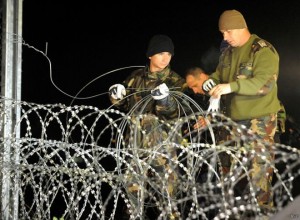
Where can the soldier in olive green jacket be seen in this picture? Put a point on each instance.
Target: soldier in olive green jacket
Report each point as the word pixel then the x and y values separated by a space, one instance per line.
pixel 246 78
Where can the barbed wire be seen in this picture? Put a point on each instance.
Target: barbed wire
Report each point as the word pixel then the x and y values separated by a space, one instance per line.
pixel 81 168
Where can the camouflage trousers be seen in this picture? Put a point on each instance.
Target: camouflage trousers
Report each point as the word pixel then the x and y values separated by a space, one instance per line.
pixel 262 161
pixel 152 173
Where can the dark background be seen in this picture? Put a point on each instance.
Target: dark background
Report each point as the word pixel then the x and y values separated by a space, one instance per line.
pixel 85 39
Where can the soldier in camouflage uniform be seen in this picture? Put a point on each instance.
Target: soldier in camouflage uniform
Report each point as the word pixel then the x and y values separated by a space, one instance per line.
pixel 195 77
pixel 147 95
pixel 246 78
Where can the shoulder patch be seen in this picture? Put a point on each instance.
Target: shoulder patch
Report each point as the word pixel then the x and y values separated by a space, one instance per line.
pixel 262 43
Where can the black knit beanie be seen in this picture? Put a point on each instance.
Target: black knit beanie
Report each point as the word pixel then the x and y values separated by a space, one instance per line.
pixel 158 44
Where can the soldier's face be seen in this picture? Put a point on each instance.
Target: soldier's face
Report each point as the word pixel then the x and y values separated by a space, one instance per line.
pixel 196 83
pixel 160 60
pixel 233 37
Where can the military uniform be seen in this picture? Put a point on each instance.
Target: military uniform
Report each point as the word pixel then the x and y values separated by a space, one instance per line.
pixel 281 119
pixel 252 72
pixel 146 133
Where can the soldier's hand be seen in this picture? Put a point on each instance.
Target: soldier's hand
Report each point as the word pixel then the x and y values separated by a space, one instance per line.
pixel 214 104
pixel 201 123
pixel 160 92
pixel 208 85
pixel 117 91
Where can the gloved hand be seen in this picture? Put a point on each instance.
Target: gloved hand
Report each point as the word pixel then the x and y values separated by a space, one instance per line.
pixel 208 85
pixel 160 92
pixel 214 104
pixel 117 91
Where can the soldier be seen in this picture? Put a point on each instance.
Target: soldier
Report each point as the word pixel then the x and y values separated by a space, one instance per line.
pixel 195 77
pixel 246 78
pixel 146 109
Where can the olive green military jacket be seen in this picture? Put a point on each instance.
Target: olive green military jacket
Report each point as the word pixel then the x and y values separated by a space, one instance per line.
pixel 252 72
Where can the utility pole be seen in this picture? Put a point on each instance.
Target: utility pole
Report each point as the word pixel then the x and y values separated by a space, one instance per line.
pixel 11 60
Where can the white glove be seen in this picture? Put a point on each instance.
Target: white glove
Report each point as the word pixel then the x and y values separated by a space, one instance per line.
pixel 117 91
pixel 160 92
pixel 208 85
pixel 214 105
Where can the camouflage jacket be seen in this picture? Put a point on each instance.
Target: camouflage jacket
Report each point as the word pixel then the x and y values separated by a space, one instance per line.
pixel 138 98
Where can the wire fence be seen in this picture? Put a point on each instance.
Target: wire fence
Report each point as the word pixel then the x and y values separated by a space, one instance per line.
pixel 78 162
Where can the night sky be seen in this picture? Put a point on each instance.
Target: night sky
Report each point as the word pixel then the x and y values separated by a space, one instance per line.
pixel 86 39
